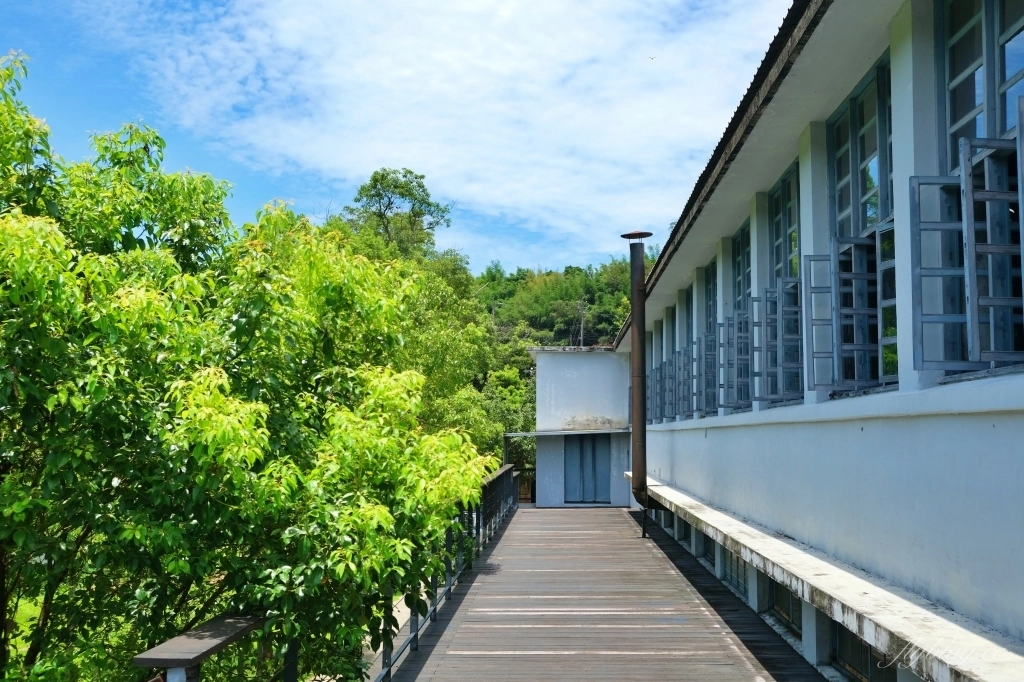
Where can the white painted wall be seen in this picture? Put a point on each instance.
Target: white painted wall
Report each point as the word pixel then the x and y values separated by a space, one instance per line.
pixel 922 488
pixel 582 390
pixel 551 471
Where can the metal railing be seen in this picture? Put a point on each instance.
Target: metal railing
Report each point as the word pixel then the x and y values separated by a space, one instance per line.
pixel 182 657
pixel 500 495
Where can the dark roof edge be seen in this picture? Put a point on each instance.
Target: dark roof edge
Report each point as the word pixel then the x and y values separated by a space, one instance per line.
pixel 798 25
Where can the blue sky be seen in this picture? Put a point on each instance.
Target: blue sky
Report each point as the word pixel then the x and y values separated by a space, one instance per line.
pixel 552 126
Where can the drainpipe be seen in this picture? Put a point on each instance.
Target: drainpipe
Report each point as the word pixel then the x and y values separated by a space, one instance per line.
pixel 638 362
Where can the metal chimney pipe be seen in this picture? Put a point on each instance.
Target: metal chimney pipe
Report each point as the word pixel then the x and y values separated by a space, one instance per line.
pixel 638 363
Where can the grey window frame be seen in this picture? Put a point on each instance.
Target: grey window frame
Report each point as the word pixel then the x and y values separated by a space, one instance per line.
pixel 776 325
pixel 780 230
pixel 735 571
pixel 735 334
pixel 861 266
pixel 710 356
pixel 998 89
pixel 875 666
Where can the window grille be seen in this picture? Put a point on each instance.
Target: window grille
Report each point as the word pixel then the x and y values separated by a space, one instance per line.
pixel 709 361
pixel 858 660
pixel 735 572
pixel 709 550
pixel 966 260
pixel 650 396
pixel 671 384
pixel 787 606
pixel 784 218
pixel 709 373
pixel 780 357
pixel 737 354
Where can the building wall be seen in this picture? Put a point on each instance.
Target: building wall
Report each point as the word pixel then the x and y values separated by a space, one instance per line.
pixel 922 489
pixel 551 471
pixel 567 402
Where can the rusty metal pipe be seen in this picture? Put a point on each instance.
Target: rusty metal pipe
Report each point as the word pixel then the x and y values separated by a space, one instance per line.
pixel 638 363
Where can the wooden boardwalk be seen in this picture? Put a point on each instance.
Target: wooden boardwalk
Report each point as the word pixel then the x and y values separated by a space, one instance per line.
pixel 575 594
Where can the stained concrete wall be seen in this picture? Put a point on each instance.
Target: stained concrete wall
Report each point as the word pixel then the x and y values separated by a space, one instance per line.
pixel 582 390
pixel 551 471
pixel 922 488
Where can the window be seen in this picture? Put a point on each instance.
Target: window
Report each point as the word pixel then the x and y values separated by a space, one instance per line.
pixel 863 265
pixel 741 267
pixel 983 43
pixel 735 572
pixel 686 531
pixel 787 606
pixel 738 357
pixel 685 363
pixel 710 359
pixel 711 297
pixel 784 216
pixel 779 342
pixel 709 550
pixel 858 660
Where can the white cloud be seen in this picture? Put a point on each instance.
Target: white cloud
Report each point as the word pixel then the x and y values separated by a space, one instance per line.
pixel 550 116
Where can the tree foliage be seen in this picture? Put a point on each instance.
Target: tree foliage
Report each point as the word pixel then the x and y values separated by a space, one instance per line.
pixel 197 419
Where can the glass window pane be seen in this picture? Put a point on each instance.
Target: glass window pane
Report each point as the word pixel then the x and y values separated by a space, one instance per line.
pixel 869 143
pixel 843 197
pixel 842 132
pixel 869 211
pixel 960 12
pixel 889 322
pixel 888 239
pixel 966 96
pixel 867 107
pixel 1012 11
pixel 869 177
pixel 843 165
pixel 965 51
pixel 974 127
pixel 1013 55
pixel 1010 99
pixel 889 283
pixel 890 361
pixel 845 226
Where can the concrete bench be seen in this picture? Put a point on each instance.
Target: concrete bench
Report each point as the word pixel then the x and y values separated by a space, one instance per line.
pixel 933 642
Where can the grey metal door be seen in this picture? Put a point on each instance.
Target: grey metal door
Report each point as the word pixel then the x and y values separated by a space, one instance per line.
pixel 588 468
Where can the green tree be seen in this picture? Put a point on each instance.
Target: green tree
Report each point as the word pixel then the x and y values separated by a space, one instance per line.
pixel 197 419
pixel 397 205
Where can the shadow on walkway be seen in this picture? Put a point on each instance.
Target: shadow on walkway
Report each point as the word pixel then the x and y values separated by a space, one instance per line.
pixel 763 643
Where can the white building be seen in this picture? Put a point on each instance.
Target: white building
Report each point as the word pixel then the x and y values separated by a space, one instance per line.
pixel 836 416
pixel 582 427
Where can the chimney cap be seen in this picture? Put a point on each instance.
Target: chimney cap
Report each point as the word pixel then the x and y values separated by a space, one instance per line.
pixel 639 234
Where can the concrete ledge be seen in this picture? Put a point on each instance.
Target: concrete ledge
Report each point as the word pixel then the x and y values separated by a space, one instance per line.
pixel 930 640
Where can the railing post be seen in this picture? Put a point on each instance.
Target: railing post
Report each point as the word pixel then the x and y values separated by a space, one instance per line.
pixel 414 627
pixel 448 563
pixel 385 654
pixel 190 674
pixel 433 600
pixel 460 541
pixel 291 662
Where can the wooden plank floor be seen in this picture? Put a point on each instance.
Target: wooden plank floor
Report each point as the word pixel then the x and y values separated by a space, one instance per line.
pixel 575 594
